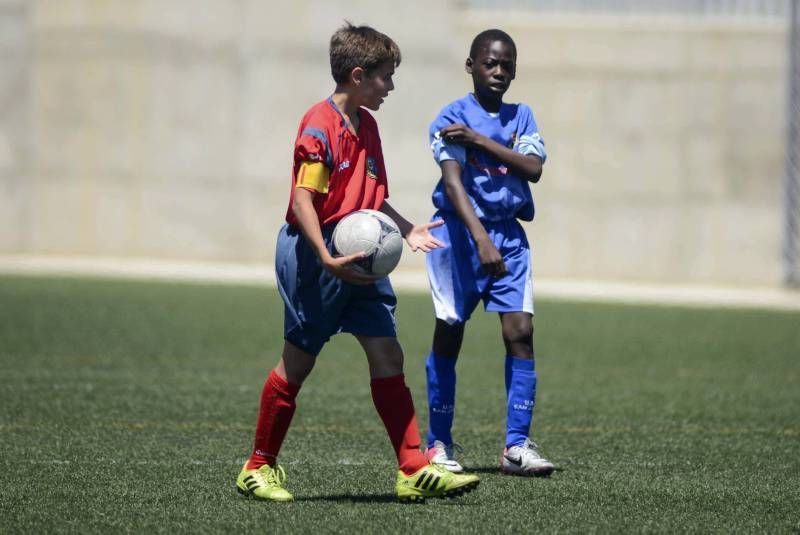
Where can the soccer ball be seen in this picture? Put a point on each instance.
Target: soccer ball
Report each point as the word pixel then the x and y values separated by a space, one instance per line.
pixel 374 233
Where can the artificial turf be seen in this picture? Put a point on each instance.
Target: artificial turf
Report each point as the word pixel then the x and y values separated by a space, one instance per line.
pixel 129 406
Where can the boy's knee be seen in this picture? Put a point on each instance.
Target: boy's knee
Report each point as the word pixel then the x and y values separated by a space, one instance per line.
pixel 295 364
pixel 518 331
pixel 447 339
pixel 384 355
pixel 394 355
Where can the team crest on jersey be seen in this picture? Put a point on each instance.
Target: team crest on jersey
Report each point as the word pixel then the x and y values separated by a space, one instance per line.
pixel 372 168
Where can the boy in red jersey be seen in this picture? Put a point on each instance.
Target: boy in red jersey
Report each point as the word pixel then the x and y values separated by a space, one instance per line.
pixel 338 169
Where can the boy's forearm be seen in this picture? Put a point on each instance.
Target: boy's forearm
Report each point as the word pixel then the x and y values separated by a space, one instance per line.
pixel 451 173
pixel 527 167
pixel 308 221
pixel 403 224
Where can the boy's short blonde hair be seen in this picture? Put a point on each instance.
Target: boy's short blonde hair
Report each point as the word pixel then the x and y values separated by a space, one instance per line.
pixel 360 46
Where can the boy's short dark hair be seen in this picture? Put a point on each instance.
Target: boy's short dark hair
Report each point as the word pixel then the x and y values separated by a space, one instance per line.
pixel 490 36
pixel 360 46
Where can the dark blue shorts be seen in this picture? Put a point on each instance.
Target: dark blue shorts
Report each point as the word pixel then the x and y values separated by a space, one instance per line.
pixel 319 305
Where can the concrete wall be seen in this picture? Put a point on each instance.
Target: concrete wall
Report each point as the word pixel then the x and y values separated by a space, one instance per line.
pixel 667 148
pixel 150 129
pixel 15 146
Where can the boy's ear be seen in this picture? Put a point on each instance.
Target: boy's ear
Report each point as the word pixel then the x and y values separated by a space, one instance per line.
pixel 357 75
pixel 468 65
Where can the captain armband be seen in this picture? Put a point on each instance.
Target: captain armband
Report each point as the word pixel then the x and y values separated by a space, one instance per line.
pixel 314 176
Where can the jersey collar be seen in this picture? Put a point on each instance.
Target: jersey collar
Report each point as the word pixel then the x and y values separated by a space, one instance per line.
pixel 344 123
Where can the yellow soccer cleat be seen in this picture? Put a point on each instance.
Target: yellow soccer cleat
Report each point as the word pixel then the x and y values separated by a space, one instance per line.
pixel 433 481
pixel 265 483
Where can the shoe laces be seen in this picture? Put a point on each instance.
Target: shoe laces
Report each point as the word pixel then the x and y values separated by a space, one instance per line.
pixel 532 448
pixel 440 470
pixel 271 477
pixel 450 450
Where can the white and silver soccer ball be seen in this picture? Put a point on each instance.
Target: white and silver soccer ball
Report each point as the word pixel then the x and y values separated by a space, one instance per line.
pixel 374 233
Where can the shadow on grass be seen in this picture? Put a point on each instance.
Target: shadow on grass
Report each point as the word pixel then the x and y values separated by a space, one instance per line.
pixel 495 470
pixel 370 498
pixel 354 498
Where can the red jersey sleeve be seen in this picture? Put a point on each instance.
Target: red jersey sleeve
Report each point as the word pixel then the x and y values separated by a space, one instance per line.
pixel 313 143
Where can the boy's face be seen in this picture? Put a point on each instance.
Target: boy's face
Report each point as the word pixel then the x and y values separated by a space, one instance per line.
pixel 374 86
pixel 492 69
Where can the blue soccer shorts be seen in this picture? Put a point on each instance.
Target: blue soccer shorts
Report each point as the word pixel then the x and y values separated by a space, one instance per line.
pixel 318 305
pixel 457 280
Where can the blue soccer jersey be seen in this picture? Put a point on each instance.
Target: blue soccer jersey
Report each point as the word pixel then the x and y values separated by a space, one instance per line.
pixel 495 192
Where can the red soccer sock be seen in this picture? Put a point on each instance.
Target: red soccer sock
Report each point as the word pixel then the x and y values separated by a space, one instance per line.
pixel 274 416
pixel 393 401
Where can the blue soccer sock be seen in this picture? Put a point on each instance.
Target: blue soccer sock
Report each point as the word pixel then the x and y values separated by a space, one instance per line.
pixel 441 373
pixel 521 381
pixel 509 360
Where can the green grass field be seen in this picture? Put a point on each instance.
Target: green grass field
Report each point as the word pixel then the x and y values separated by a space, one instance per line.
pixel 129 406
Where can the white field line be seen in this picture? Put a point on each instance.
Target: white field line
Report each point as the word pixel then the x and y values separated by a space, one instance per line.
pixel 264 274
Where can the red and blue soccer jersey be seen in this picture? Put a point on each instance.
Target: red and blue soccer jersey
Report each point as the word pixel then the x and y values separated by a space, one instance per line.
pixel 348 174
pixel 346 170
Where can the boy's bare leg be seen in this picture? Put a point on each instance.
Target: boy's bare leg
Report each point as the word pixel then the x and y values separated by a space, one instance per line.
pixel 384 355
pixel 295 364
pixel 447 339
pixel 393 401
pixel 521 455
pixel 440 371
pixel 416 478
pixel 278 405
pixel 518 334
pixel 261 477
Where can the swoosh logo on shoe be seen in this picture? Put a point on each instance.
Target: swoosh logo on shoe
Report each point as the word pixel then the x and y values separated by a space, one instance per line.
pixel 517 462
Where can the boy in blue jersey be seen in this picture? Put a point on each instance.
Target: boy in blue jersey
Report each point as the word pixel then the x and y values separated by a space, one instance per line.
pixel 488 152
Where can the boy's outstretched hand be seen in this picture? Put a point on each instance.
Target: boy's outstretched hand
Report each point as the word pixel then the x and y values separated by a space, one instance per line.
pixel 419 238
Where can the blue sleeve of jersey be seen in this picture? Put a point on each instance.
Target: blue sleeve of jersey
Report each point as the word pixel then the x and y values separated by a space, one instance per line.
pixel 447 151
pixel 442 150
pixel 530 141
